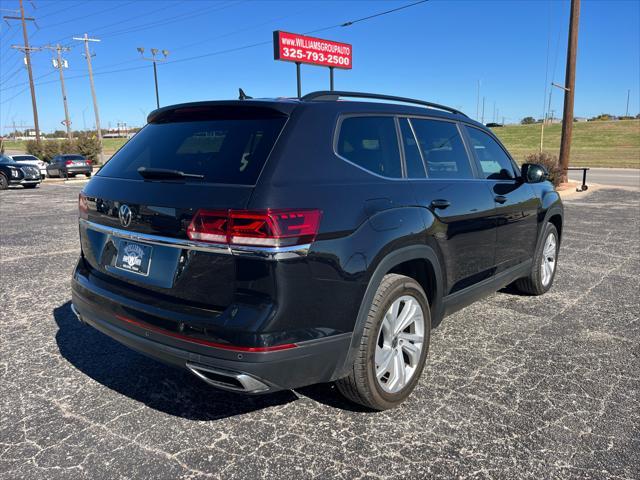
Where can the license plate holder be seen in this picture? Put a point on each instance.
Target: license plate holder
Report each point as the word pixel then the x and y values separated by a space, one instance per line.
pixel 134 257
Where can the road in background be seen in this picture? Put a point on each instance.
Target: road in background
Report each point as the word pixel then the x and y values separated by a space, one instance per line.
pixel 619 177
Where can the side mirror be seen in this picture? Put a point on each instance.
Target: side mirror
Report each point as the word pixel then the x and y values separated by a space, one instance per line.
pixel 534 173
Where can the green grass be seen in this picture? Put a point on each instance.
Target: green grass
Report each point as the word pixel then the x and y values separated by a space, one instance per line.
pixel 110 145
pixel 594 144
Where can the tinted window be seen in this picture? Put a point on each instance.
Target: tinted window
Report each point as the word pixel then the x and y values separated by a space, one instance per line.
pixel 72 157
pixel 412 157
pixel 224 151
pixel 21 158
pixel 442 148
pixel 371 143
pixel 494 162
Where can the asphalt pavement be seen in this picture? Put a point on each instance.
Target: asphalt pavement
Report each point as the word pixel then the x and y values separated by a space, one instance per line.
pixel 515 386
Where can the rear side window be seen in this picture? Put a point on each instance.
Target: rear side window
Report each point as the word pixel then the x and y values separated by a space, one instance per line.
pixel 371 143
pixel 442 148
pixel 224 151
pixel 494 162
pixel 412 156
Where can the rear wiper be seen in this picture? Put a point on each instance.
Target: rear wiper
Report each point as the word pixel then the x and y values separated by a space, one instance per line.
pixel 165 173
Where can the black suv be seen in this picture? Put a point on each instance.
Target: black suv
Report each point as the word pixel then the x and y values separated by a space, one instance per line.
pixel 273 244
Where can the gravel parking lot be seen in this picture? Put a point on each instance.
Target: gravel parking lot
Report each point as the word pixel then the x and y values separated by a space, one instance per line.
pixel 515 386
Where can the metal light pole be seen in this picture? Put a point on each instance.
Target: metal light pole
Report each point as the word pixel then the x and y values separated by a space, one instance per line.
pixel 154 58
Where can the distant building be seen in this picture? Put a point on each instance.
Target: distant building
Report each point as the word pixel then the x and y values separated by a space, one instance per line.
pixel 581 119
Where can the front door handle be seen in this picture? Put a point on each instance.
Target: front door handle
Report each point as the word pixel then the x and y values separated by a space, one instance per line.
pixel 440 203
pixel 500 198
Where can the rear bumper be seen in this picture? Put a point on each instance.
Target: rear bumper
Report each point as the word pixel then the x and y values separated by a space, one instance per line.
pixel 75 170
pixel 309 362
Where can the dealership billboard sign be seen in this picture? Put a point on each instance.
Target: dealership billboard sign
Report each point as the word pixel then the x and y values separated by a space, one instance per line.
pixel 293 47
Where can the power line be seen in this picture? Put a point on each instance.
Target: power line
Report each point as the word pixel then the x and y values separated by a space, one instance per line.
pixel 82 17
pixel 166 21
pixel 369 17
pixel 235 49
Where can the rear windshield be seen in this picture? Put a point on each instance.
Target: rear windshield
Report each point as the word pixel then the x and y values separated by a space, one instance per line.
pixel 223 151
pixel 72 157
pixel 20 158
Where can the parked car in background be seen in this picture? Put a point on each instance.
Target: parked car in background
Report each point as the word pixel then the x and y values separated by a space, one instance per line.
pixel 273 244
pixel 14 173
pixel 69 165
pixel 32 160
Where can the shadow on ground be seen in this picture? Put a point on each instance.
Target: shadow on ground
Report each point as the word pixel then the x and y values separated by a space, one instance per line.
pixel 145 380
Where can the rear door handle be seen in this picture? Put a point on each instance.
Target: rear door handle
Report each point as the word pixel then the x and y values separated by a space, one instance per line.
pixel 500 198
pixel 440 203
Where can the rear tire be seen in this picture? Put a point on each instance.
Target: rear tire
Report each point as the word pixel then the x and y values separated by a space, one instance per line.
pixel 4 182
pixel 544 266
pixel 393 348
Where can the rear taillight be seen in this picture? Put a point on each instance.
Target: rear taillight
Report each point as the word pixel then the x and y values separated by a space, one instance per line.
pixel 83 206
pixel 264 228
pixel 68 162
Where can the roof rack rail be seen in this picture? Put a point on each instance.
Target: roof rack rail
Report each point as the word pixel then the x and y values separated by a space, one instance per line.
pixel 336 94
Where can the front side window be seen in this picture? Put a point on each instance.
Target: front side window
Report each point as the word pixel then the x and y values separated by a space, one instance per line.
pixel 442 148
pixel 494 162
pixel 371 143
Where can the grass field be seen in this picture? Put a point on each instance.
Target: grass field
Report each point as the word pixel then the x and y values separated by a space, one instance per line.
pixel 595 144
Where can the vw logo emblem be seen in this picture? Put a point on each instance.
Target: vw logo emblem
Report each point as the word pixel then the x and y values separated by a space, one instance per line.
pixel 124 214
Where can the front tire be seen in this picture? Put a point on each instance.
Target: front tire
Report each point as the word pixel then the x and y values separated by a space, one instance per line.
pixel 545 262
pixel 393 348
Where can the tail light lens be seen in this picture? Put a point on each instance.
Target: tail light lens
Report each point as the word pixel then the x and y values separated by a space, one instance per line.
pixel 68 162
pixel 83 206
pixel 265 228
pixel 209 226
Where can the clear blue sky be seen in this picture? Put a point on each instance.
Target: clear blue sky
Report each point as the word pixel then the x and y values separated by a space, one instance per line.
pixel 436 51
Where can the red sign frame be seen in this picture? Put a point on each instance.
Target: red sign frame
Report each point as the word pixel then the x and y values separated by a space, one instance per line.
pixel 293 47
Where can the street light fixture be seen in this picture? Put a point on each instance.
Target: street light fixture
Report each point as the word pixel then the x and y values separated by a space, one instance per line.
pixel 154 58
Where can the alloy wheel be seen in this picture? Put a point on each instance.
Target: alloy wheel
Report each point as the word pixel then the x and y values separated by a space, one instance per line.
pixel 548 264
pixel 400 343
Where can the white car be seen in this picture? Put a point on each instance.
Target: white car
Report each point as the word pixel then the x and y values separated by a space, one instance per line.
pixel 32 160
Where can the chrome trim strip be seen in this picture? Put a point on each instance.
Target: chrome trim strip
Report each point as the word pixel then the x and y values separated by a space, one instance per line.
pixel 269 253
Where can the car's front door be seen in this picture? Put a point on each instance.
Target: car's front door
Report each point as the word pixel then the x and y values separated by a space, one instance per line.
pixel 450 190
pixel 516 206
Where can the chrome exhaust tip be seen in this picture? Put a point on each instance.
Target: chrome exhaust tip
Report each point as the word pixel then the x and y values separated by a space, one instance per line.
pixel 77 314
pixel 227 380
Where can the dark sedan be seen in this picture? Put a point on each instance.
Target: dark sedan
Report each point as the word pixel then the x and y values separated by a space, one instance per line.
pixel 69 166
pixel 13 173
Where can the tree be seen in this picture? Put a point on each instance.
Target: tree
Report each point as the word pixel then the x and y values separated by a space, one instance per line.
pixel 89 147
pixel 528 121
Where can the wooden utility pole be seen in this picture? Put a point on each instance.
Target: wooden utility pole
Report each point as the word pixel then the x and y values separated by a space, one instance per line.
pixel 87 54
pixel 61 64
pixel 27 55
pixel 569 89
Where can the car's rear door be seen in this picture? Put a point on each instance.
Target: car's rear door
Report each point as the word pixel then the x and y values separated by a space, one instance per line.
pixel 447 186
pixel 516 204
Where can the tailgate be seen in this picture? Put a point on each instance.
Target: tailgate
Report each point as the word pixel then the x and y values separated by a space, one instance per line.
pixel 134 237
